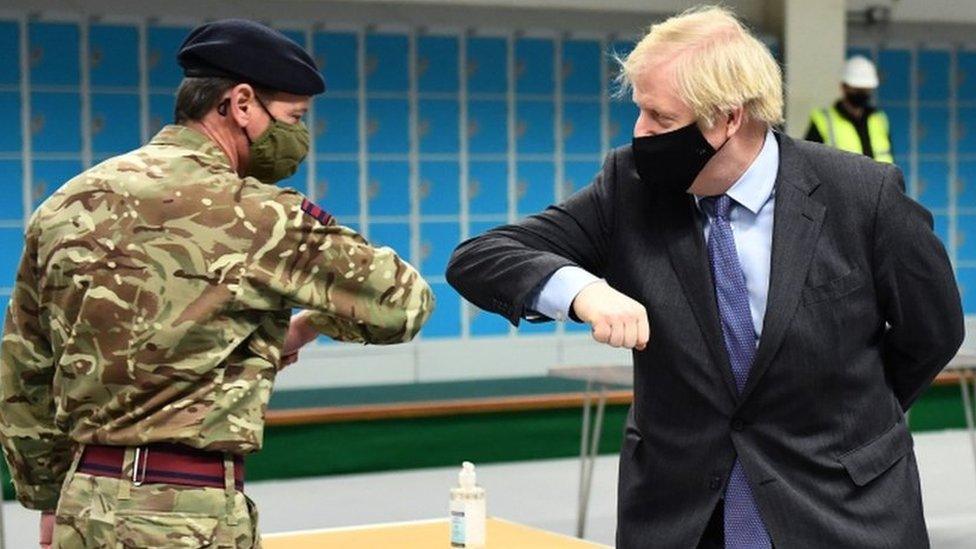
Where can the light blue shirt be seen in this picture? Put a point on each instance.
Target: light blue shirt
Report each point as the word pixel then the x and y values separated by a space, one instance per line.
pixel 751 218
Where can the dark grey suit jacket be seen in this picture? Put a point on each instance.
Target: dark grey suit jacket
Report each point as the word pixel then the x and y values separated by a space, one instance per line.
pixel 862 312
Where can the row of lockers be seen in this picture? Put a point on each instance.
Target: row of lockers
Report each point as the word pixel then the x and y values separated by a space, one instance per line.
pixel 113 55
pixel 56 124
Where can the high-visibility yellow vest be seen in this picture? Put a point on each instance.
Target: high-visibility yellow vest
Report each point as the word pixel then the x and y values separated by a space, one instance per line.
pixel 839 132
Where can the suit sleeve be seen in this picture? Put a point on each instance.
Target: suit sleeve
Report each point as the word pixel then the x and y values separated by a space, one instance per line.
pixel 917 292
pixel 38 453
pixel 501 270
pixel 360 293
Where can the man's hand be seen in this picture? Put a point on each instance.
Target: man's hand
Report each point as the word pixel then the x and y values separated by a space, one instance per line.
pixel 300 333
pixel 616 319
pixel 47 529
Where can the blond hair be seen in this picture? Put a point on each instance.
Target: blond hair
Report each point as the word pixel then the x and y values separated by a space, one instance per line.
pixel 718 65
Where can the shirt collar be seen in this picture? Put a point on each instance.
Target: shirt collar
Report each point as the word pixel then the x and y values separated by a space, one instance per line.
pixel 755 185
pixel 206 151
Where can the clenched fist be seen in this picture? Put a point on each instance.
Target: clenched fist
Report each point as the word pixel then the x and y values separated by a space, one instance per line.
pixel 616 319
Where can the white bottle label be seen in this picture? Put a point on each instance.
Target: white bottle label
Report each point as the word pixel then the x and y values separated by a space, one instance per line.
pixel 457 529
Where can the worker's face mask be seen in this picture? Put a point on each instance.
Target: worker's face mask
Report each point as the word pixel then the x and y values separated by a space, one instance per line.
pixel 859 99
pixel 277 152
pixel 674 159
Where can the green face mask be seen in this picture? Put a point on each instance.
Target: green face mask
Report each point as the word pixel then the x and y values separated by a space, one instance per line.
pixel 276 153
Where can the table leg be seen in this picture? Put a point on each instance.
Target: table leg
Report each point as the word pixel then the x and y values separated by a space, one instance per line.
pixel 584 447
pixel 967 403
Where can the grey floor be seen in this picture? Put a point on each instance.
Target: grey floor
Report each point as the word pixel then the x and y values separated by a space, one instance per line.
pixel 542 494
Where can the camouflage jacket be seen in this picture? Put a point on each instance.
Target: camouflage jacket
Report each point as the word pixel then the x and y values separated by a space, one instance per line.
pixel 152 302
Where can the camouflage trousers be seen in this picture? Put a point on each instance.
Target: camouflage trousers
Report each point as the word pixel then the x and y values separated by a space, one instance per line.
pixel 104 512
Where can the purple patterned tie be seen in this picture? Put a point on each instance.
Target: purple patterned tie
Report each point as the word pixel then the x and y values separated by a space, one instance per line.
pixel 744 528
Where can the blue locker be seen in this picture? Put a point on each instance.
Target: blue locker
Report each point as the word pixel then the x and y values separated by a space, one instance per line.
pixel 488 188
pixel 966 238
pixel 535 187
pixel 478 228
pixel 581 127
pixel 54 54
pixel 297 36
pixel 336 54
pixel 899 125
pixel 114 123
pixel 581 67
pixel 389 188
pixel 486 65
pixel 933 75
pixel 487 127
pixel 11 248
pixel 485 324
pixel 160 111
pixel 933 184
pixel 50 175
pixel 392 235
pixel 894 70
pixel 11 190
pixel 940 224
pixel 10 61
pixel 388 126
pixel 336 125
pixel 574 327
pixel 966 191
pixel 114 55
pixel 933 130
pixel 577 175
pixel 445 321
pixel 56 122
pixel 966 129
pixel 298 181
pixel 862 51
pixel 623 115
pixel 386 63
pixel 966 277
pixel 534 66
pixel 10 139
pixel 163 43
pixel 437 64
pixel 337 188
pixel 534 127
pixel 438 126
pixel 437 242
pixel 439 188
pixel 966 76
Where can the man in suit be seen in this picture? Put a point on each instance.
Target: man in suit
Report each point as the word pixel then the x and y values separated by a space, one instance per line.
pixel 781 319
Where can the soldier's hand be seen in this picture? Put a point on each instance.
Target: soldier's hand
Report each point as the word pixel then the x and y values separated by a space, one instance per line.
pixel 615 319
pixel 47 529
pixel 300 333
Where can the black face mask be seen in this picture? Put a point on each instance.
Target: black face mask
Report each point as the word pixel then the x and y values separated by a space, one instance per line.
pixel 674 159
pixel 858 99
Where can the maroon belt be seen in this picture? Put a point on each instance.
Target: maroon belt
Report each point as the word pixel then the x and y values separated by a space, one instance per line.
pixel 163 464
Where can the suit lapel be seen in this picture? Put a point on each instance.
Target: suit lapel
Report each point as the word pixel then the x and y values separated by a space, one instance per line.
pixel 796 226
pixel 689 258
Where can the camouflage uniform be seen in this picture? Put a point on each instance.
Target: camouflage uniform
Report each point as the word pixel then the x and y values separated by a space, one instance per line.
pixel 151 305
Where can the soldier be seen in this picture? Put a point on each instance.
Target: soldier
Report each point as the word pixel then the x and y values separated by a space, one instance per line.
pixel 153 302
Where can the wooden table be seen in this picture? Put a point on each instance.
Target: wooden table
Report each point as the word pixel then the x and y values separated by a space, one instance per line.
pixel 424 534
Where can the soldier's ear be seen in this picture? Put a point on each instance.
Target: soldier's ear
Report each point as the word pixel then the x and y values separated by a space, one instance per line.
pixel 241 100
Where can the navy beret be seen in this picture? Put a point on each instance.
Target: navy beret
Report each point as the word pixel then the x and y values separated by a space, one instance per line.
pixel 250 52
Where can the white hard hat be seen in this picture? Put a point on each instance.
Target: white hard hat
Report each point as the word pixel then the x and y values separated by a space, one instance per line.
pixel 859 72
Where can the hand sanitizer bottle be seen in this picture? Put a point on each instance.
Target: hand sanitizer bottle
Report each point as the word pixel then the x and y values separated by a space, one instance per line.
pixel 467 510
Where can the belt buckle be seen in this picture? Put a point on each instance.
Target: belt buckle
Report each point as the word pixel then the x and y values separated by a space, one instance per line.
pixel 141 455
